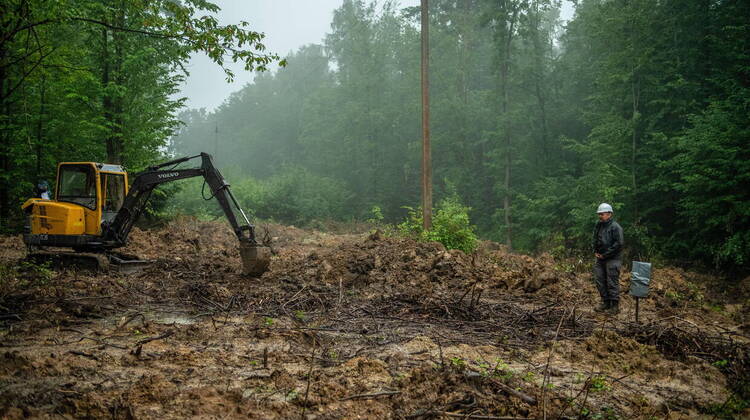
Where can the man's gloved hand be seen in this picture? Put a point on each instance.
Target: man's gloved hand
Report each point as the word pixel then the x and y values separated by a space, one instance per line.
pixel 598 256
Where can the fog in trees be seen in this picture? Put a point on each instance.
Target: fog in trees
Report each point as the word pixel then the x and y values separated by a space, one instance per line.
pixel 535 119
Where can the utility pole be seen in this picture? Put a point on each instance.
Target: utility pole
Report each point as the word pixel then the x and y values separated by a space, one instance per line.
pixel 426 159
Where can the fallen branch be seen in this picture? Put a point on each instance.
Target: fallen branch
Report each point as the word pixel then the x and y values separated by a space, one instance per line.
pixel 70 299
pixel 84 354
pixel 466 416
pixel 522 396
pixel 158 337
pixel 373 395
pixel 103 343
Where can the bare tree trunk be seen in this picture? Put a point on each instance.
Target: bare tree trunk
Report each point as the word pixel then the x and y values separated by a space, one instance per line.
pixel 426 154
pixel 636 88
pixel 119 77
pixel 504 76
pixel 112 74
pixel 508 145
pixel 4 147
pixel 40 127
pixel 107 105
pixel 462 82
pixel 543 123
pixel 539 86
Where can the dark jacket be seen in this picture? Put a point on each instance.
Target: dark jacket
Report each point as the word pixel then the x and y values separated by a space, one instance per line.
pixel 608 239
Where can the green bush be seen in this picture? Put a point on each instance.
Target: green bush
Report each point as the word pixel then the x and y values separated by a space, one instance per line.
pixel 295 196
pixel 450 225
pixel 376 216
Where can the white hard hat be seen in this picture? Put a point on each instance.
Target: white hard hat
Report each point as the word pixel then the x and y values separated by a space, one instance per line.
pixel 604 208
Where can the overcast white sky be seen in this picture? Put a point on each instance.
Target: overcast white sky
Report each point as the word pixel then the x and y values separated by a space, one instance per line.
pixel 288 24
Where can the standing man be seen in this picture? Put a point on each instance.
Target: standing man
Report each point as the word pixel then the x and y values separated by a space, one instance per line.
pixel 608 241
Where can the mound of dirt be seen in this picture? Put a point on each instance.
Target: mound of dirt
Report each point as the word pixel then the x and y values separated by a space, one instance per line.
pixel 355 325
pixel 199 262
pixel 12 248
pixel 386 268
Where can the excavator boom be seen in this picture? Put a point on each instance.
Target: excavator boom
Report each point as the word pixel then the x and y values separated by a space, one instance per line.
pixel 255 258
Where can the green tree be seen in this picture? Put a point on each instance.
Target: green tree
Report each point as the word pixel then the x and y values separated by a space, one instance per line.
pixel 504 17
pixel 632 102
pixel 110 67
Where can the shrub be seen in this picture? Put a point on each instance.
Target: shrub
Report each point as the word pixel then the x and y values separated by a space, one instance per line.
pixel 450 225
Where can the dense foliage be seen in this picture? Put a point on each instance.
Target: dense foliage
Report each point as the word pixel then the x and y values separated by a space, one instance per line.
pixel 534 121
pixel 640 104
pixel 94 80
pixel 450 225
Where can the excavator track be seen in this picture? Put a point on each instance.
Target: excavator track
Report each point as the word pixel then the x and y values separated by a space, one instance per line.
pixel 92 261
pixel 126 263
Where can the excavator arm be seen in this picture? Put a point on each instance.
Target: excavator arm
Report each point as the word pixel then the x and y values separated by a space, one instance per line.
pixel 255 258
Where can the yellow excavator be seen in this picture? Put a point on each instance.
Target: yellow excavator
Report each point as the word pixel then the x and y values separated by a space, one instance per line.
pixel 93 211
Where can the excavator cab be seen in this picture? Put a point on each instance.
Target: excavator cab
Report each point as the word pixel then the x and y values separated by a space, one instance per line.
pixel 93 209
pixel 86 194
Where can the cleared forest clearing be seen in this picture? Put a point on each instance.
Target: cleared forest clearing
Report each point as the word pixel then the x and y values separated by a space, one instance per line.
pixel 357 326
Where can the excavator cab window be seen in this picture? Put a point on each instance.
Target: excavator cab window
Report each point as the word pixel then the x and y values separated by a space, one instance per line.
pixel 114 194
pixel 77 185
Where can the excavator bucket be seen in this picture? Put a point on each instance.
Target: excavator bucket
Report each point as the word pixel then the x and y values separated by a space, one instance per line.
pixel 255 259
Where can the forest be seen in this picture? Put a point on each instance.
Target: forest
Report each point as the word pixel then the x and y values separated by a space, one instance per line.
pixel 327 298
pixel 534 120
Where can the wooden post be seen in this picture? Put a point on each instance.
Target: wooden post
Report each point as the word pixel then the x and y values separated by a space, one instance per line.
pixel 426 158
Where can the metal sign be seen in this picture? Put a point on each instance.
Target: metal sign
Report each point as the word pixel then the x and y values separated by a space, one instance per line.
pixel 640 277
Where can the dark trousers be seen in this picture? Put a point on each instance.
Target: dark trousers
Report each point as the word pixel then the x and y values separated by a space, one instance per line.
pixel 607 277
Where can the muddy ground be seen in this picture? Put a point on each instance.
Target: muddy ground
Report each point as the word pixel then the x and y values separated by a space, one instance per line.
pixel 360 326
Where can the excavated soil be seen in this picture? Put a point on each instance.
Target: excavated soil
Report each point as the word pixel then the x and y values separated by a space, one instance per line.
pixel 357 326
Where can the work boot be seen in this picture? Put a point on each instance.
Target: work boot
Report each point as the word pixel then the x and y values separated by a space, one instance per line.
pixel 614 307
pixel 602 306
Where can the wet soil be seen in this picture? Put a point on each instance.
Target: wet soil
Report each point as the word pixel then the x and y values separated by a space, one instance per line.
pixel 355 326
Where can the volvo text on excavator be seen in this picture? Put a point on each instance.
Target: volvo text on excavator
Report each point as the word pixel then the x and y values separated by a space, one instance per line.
pixel 93 210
